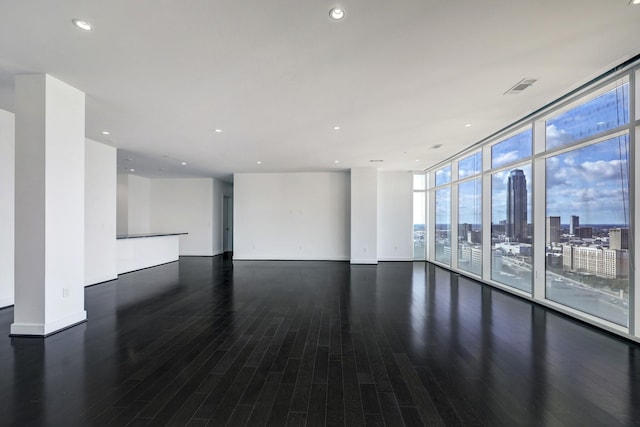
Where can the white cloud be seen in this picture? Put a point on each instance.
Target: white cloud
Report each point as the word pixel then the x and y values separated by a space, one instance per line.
pixel 557 137
pixel 601 169
pixel 508 157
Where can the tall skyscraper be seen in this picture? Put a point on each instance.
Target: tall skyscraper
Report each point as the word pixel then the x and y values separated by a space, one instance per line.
pixel 619 238
pixel 573 224
pixel 516 228
pixel 553 229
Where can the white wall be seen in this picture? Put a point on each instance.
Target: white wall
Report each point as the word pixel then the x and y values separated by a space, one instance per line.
pixel 395 216
pixel 291 216
pixel 187 205
pixel 100 213
pixel 122 204
pixel 7 191
pixel 139 202
pixel 364 218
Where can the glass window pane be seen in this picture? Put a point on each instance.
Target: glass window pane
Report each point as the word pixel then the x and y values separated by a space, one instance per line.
pixel 511 228
pixel 419 182
pixel 443 176
pixel 470 166
pixel 587 248
pixel 419 213
pixel 443 226
pixel 470 226
pixel 512 149
pixel 607 111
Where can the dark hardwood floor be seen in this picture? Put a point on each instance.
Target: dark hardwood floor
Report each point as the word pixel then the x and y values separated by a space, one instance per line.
pixel 206 342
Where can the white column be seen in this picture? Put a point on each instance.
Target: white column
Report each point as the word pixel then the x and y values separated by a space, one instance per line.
pixel 49 215
pixel 7 170
pixel 100 258
pixel 364 216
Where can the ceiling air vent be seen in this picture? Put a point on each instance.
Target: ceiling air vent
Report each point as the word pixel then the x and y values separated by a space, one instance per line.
pixel 376 161
pixel 520 86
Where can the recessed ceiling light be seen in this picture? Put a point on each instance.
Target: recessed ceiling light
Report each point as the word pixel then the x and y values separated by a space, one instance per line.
pixel 436 146
pixel 336 13
pixel 467 125
pixel 417 160
pixel 83 25
pixel 259 162
pixel 218 130
pixel 105 132
pixel 336 161
pixel 183 163
pixel 634 2
pixel 132 170
pixel 336 128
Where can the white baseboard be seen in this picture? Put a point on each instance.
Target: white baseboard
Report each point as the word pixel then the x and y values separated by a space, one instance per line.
pixel 44 329
pixel 96 280
pixel 247 257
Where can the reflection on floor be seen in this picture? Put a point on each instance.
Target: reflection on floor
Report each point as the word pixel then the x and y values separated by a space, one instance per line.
pixel 205 341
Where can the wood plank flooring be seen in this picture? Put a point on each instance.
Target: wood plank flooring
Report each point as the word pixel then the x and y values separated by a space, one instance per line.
pixel 208 342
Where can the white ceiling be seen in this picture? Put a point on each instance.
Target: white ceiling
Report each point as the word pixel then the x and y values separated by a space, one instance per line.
pixel 276 76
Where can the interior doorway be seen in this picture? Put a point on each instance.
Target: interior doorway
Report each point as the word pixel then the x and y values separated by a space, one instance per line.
pixel 227 224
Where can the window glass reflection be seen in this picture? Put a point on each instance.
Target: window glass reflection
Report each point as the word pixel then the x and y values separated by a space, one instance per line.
pixel 470 166
pixel 512 149
pixel 443 176
pixel 607 111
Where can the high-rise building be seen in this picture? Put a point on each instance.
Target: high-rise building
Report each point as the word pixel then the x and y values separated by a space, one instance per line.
pixel 573 224
pixel 553 229
pixel 583 232
pixel 516 227
pixel 607 263
pixel 619 238
pixel 463 231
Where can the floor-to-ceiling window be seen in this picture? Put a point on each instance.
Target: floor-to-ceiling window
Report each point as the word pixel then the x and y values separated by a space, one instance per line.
pixel 442 231
pixel 470 214
pixel 587 206
pixel 511 215
pixel 419 212
pixel 546 206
